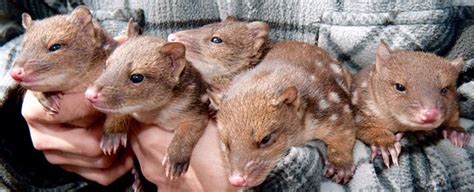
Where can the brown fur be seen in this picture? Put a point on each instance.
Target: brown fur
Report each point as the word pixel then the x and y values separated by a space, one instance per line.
pixel 169 96
pixel 381 111
pixel 84 48
pixel 281 96
pixel 243 46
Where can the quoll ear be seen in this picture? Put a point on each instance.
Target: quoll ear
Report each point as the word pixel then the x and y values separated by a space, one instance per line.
pixel 215 96
pixel 176 51
pixel 81 16
pixel 26 20
pixel 259 31
pixel 230 18
pixel 458 63
pixel 132 29
pixel 382 55
pixel 289 97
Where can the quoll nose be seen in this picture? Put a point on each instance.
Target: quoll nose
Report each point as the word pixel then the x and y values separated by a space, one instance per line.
pixel 429 115
pixel 17 73
pixel 237 181
pixel 172 37
pixel 92 94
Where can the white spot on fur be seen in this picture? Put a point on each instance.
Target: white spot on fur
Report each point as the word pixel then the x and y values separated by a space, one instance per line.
pixel 334 117
pixel 347 109
pixel 336 69
pixel 334 97
pixel 311 122
pixel 358 118
pixel 323 104
pixel 348 132
pixel 355 97
pixel 363 84
pixel 204 98
pixel 319 64
pixel 374 108
pixel 313 77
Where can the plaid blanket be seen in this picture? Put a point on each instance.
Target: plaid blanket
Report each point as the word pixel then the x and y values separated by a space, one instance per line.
pixel 350 31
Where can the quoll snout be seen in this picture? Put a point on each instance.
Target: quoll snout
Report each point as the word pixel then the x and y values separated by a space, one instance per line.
pixel 92 94
pixel 17 73
pixel 429 115
pixel 237 181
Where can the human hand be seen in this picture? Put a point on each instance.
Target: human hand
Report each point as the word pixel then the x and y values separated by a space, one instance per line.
pixel 205 173
pixel 74 147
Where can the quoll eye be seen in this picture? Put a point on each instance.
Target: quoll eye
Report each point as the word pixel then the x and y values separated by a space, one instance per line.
pixel 136 78
pixel 54 47
pixel 444 91
pixel 399 87
pixel 267 140
pixel 216 40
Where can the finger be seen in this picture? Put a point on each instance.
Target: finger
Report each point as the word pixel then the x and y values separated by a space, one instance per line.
pixel 453 139
pixel 74 107
pixel 185 169
pixel 373 154
pixel 445 134
pixel 460 139
pixel 398 136
pixel 348 176
pixel 398 148
pixel 104 176
pixel 385 156
pixel 339 175
pixel 79 141
pixel 62 158
pixel 468 139
pixel 464 139
pixel 177 170
pixel 393 154
pixel 329 169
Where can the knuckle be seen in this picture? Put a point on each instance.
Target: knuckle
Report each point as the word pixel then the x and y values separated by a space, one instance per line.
pixel 104 180
pixel 52 159
pixel 40 144
pixel 30 115
pixel 104 163
pixel 153 176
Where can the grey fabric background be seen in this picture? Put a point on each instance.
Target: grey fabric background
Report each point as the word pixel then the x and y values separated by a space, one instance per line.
pixel 350 30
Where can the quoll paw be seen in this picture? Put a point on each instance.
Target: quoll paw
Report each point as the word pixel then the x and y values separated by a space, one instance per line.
pixel 458 137
pixel 50 102
pixel 137 184
pixel 389 152
pixel 339 174
pixel 175 166
pixel 111 142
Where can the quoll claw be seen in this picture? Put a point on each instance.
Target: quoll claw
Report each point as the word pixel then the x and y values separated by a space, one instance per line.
pixel 457 138
pixel 390 153
pixel 110 143
pixel 51 102
pixel 339 174
pixel 398 136
pixel 174 169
